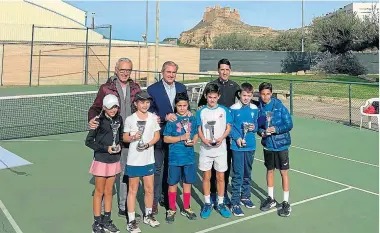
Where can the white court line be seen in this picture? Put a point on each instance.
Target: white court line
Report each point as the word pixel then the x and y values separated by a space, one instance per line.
pixel 332 181
pixel 335 156
pixel 271 211
pixel 10 218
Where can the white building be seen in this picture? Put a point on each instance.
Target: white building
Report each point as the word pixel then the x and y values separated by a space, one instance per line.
pixel 361 9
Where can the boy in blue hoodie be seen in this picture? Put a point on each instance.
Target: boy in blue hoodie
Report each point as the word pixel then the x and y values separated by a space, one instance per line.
pixel 275 123
pixel 243 146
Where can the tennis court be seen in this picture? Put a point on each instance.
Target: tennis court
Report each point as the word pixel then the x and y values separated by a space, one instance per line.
pixel 334 186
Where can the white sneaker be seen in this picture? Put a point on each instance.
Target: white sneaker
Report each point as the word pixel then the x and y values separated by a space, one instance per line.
pixel 133 227
pixel 151 221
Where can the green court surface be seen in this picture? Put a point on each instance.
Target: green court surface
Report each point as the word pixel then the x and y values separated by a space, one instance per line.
pixel 334 187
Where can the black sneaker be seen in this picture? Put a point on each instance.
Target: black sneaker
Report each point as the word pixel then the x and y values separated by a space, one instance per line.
pixel 170 214
pixel 110 227
pixel 268 204
pixel 97 228
pixel 189 214
pixel 285 209
pixel 122 213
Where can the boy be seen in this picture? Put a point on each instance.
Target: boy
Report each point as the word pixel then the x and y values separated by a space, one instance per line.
pixel 214 125
pixel 243 146
pixel 275 123
pixel 142 132
pixel 181 135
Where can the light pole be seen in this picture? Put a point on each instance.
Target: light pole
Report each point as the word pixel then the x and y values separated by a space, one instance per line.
pixel 302 33
pixel 156 52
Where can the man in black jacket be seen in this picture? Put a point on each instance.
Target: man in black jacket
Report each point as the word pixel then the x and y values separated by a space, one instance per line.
pixel 229 91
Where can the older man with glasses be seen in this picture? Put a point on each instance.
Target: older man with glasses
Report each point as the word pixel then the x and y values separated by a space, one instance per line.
pixel 125 89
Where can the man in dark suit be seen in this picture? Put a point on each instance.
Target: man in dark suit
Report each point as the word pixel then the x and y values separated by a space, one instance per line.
pixel 163 93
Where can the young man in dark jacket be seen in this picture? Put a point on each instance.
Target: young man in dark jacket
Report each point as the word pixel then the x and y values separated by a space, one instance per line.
pixel 228 93
pixel 122 86
pixel 274 123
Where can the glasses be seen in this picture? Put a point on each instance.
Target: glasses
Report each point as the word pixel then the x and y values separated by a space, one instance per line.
pixel 124 71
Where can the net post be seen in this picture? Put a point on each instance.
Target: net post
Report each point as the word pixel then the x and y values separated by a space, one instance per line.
pixel 291 98
pixel 31 57
pixel 109 49
pixel 86 59
pixel 350 103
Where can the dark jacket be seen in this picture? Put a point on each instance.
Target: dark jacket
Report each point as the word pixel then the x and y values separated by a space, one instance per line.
pixel 281 120
pixel 228 93
pixel 101 138
pixel 110 88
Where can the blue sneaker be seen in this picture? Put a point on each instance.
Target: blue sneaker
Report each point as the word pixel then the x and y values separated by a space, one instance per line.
pixel 227 200
pixel 206 211
pixel 237 211
pixel 223 210
pixel 247 203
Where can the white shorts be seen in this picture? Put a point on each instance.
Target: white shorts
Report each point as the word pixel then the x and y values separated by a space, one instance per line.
pixel 219 162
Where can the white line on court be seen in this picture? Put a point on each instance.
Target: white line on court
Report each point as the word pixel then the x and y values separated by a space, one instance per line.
pixel 10 218
pixel 331 155
pixel 332 181
pixel 271 211
pixel 335 156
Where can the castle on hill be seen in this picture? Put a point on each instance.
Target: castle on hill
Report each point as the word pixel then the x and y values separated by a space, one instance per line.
pixel 214 12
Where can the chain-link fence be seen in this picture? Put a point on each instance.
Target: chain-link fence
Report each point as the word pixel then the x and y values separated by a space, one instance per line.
pixel 56 56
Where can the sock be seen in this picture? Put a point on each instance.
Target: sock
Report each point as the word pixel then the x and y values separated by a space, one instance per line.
pixel 107 216
pixel 148 211
pixel 220 200
pixel 270 192
pixel 98 219
pixel 131 216
pixel 186 200
pixel 172 200
pixel 207 199
pixel 286 196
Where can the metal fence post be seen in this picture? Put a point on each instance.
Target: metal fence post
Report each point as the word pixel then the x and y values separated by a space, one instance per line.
pixel 31 57
pixel 39 67
pixel 2 64
pixel 109 50
pixel 183 77
pixel 291 98
pixel 349 104
pixel 86 59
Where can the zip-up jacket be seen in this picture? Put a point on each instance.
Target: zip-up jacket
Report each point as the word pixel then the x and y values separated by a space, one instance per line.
pixel 228 93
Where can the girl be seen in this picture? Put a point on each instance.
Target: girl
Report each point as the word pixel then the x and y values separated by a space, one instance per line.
pixel 105 141
pixel 181 135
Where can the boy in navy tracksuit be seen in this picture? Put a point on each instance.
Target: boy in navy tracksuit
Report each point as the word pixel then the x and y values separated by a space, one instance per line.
pixel 243 146
pixel 275 124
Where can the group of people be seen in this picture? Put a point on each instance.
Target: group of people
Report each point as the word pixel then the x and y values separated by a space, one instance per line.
pixel 151 135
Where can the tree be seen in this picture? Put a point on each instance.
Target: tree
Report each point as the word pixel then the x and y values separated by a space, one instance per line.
pixel 369 33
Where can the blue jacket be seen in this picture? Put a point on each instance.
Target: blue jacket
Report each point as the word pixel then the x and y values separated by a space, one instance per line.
pixel 281 120
pixel 243 113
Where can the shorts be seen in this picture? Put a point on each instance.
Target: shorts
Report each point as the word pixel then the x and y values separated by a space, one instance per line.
pixel 276 159
pixel 219 163
pixel 139 171
pixel 187 174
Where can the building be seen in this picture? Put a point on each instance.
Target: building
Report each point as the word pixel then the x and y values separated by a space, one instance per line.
pixel 361 9
pixel 212 13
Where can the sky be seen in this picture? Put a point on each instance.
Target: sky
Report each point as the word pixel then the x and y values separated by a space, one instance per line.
pixel 128 18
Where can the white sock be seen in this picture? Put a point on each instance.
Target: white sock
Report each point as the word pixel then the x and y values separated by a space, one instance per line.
pixel 220 200
pixel 148 211
pixel 270 192
pixel 131 216
pixel 207 199
pixel 286 196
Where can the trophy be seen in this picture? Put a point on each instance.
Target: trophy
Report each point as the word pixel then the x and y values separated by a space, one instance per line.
pixel 269 120
pixel 115 129
pixel 185 124
pixel 246 126
pixel 141 128
pixel 212 131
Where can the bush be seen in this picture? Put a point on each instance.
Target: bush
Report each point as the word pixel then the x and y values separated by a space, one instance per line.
pixel 346 63
pixel 295 61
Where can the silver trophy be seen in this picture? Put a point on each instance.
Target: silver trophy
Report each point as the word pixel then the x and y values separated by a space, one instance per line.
pixel 212 132
pixel 115 129
pixel 185 124
pixel 269 116
pixel 141 129
pixel 246 127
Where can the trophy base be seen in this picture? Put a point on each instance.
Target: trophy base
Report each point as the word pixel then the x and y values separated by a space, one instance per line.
pixel 141 147
pixel 213 143
pixel 114 148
